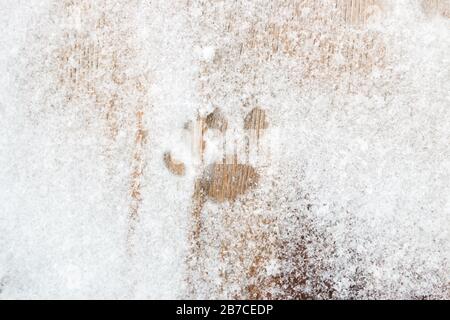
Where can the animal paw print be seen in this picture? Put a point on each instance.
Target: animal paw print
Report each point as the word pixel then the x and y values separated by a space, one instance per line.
pixel 223 181
pixel 231 177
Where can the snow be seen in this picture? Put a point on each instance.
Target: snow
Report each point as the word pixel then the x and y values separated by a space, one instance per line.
pixel 354 165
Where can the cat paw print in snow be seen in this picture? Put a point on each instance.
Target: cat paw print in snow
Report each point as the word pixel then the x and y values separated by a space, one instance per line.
pixel 229 177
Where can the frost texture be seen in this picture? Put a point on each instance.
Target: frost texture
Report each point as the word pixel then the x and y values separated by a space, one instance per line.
pixel 312 137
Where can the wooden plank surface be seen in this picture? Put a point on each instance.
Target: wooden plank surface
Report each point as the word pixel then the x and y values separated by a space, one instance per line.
pixel 252 222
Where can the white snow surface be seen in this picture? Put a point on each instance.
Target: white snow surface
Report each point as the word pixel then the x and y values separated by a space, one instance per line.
pixel 374 160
